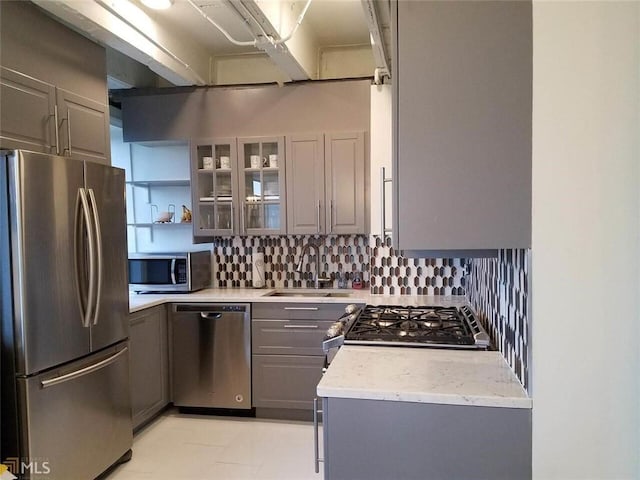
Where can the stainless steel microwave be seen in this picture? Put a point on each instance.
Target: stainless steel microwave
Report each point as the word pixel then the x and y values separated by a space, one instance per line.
pixel 169 272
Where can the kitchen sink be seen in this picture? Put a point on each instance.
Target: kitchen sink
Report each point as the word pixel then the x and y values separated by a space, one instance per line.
pixel 307 293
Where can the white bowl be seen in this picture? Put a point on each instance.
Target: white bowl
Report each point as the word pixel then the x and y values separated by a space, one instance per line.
pixel 164 217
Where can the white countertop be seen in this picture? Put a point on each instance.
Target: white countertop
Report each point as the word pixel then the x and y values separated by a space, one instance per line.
pixel 423 375
pixel 222 295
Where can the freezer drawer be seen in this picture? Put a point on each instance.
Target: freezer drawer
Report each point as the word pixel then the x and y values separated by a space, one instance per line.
pixel 78 417
pixel 211 355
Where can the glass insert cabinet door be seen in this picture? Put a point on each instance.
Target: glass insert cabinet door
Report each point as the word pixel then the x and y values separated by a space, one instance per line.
pixel 214 186
pixel 262 188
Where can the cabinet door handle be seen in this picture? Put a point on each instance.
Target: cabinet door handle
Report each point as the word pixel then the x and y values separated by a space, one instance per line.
pixel 331 218
pixel 316 448
pixel 318 220
pixel 314 327
pixel 68 119
pixel 57 133
pixel 243 227
pixel 308 309
pixel 233 230
pixel 383 208
pixel 383 201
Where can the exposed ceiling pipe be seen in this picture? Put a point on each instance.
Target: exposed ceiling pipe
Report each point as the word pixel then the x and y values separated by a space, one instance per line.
pixel 295 28
pixel 251 43
pixel 247 12
pixel 255 42
pixel 165 50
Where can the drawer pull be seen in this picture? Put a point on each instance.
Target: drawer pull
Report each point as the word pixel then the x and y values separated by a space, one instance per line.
pixel 309 309
pixel 301 326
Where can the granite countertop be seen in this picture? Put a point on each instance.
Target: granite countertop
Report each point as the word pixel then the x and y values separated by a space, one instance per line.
pixel 423 375
pixel 223 295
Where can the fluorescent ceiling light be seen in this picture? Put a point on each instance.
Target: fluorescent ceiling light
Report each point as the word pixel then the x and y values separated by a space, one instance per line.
pixel 158 4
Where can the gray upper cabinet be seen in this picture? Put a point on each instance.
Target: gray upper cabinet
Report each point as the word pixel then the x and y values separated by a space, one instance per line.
pixel 27 114
pixel 345 183
pixel 83 127
pixel 214 180
pixel 53 87
pixel 263 198
pixel 305 184
pixel 462 125
pixel 326 183
pixel 40 117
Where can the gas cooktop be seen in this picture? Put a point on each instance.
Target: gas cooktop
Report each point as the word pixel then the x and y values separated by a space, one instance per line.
pixel 447 327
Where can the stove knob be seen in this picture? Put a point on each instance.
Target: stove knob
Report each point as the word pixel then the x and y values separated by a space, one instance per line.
pixel 352 308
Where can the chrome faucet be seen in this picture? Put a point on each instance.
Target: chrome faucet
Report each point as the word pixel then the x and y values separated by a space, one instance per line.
pixel 317 279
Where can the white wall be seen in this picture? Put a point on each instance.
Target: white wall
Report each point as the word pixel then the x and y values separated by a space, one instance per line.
pixel 585 328
pixel 249 68
pixel 346 62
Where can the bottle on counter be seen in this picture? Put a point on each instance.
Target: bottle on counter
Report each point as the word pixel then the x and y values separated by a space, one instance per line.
pixel 257 270
pixel 357 281
pixel 342 280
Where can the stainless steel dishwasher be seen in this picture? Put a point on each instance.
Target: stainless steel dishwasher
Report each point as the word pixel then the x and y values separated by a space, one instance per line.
pixel 211 353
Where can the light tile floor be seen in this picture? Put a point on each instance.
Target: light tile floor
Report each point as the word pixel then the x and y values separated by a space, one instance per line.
pixel 199 447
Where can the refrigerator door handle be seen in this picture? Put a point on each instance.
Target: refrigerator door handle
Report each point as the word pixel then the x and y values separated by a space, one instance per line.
pixel 83 371
pixel 77 260
pixel 98 239
pixel 92 256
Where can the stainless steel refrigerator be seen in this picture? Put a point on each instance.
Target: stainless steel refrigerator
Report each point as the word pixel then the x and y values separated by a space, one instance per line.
pixel 66 408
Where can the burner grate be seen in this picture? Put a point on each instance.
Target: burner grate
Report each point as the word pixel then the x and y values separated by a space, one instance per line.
pixel 411 325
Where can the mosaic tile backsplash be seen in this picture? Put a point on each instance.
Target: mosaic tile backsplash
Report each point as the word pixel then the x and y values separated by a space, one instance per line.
pixel 341 256
pixel 394 274
pixel 381 268
pixel 499 293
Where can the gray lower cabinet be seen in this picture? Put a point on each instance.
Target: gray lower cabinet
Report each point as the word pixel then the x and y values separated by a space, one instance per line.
pixel 373 439
pixel 286 381
pixel 462 125
pixel 287 356
pixel 326 183
pixel 149 373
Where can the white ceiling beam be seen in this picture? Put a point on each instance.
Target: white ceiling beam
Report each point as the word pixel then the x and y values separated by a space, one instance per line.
pixel 125 27
pixel 377 15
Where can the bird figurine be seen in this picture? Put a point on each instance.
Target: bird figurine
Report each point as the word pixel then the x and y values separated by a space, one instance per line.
pixel 186 215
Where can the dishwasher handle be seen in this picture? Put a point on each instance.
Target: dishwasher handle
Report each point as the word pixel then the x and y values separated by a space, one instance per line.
pixel 211 309
pixel 211 316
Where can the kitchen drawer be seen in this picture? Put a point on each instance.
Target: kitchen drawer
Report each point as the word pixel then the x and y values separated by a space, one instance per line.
pixel 285 381
pixel 289 337
pixel 311 311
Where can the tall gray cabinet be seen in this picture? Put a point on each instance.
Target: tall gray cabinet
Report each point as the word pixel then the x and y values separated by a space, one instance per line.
pixel 326 183
pixel 462 125
pixel 53 87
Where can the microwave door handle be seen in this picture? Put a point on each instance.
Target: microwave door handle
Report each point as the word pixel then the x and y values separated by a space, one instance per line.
pixel 173 271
